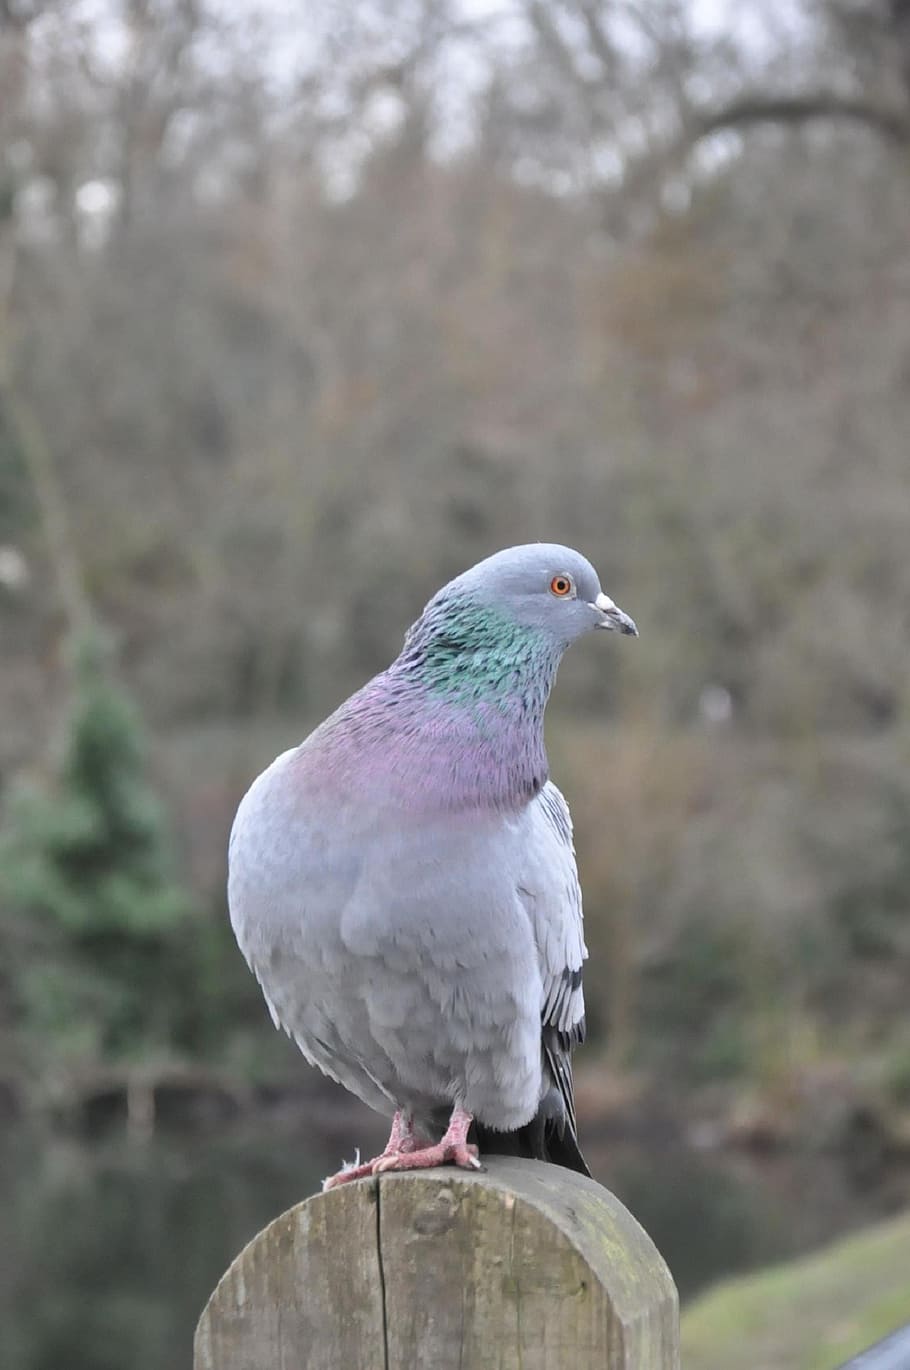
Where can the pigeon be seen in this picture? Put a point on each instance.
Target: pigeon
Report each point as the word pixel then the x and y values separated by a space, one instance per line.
pixel 403 883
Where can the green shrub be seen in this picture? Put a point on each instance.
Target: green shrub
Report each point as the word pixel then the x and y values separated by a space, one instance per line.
pixel 94 912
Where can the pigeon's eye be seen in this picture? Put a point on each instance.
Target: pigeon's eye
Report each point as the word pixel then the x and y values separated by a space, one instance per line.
pixel 561 586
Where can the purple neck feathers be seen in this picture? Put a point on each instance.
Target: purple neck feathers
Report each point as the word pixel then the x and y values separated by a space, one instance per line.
pixel 455 723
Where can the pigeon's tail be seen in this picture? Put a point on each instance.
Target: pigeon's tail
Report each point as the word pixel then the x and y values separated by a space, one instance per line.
pixel 542 1139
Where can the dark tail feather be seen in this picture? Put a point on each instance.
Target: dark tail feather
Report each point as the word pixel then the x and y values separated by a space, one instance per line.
pixel 539 1140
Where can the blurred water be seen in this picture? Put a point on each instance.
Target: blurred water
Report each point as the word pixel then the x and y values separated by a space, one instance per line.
pixel 109 1250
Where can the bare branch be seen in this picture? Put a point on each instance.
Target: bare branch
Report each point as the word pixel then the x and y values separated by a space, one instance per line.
pixel 555 46
pixel 601 45
pixel 757 108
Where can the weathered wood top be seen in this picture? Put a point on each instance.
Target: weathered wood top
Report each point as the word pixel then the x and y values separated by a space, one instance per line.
pixel 522 1267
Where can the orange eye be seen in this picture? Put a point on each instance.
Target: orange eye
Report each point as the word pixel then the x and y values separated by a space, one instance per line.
pixel 560 585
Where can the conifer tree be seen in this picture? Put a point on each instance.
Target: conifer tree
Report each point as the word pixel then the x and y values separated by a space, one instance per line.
pixel 86 870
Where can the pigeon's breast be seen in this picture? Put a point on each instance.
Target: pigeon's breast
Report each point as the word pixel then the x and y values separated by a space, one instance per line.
pixel 393 944
pixel 287 868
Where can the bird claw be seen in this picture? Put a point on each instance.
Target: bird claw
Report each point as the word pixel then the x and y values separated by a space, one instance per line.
pixel 427 1158
pixel 405 1151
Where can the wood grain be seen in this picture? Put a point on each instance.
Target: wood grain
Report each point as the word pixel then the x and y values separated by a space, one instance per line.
pixel 523 1267
pixel 306 1292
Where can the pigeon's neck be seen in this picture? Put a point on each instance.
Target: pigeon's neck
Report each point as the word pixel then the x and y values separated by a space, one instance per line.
pixel 457 720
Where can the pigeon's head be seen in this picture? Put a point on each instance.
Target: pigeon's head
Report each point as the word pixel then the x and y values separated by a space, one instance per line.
pixel 544 587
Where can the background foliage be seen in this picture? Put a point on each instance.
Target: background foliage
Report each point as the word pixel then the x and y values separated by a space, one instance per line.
pixel 297 320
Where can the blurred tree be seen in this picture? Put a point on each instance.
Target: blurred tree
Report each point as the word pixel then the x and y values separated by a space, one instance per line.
pixel 302 327
pixel 86 872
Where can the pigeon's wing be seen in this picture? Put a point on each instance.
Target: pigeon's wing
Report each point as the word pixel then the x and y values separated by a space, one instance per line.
pixel 555 908
pixel 551 895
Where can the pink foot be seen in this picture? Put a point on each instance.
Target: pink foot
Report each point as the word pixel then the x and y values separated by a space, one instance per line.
pixel 467 1157
pixel 402 1141
pixel 453 1149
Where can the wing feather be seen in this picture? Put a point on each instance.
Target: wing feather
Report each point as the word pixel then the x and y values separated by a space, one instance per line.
pixel 552 897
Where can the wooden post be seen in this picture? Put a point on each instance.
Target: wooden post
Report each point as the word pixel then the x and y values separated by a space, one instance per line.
pixel 522 1267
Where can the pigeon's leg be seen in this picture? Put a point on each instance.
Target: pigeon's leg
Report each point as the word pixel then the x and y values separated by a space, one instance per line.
pixel 402 1141
pixel 453 1149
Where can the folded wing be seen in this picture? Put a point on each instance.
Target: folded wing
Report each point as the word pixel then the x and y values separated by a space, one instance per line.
pixel 551 895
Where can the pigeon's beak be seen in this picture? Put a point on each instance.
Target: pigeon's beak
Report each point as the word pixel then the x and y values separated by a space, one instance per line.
pixel 612 617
